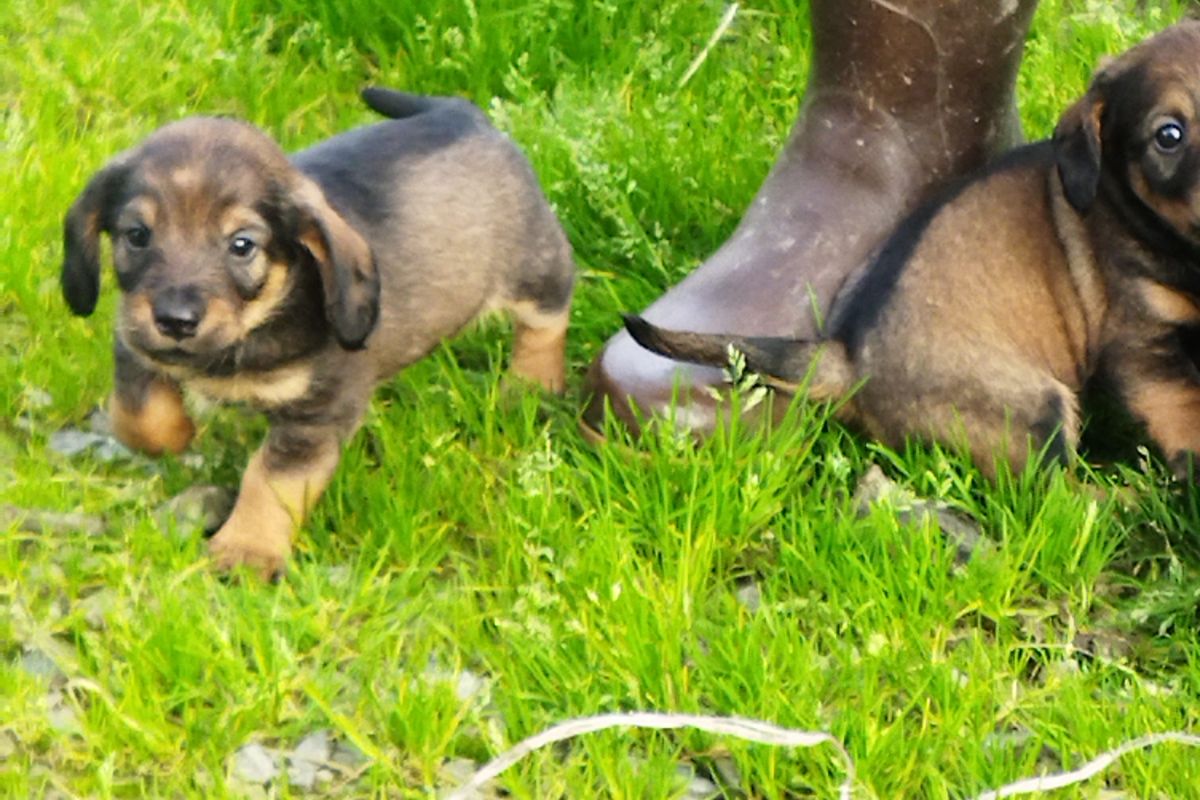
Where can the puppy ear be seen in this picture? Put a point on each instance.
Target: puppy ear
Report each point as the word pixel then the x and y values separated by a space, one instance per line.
pixel 347 268
pixel 88 216
pixel 1077 151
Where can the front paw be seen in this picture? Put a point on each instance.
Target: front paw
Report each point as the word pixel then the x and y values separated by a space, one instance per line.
pixel 261 552
pixel 160 424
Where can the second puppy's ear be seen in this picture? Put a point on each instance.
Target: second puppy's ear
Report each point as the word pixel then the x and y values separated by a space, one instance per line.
pixel 1078 150
pixel 88 217
pixel 347 268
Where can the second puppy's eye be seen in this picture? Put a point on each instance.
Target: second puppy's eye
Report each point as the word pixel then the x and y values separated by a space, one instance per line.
pixel 1169 136
pixel 137 237
pixel 242 247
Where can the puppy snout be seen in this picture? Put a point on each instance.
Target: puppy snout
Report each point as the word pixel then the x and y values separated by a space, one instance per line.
pixel 178 312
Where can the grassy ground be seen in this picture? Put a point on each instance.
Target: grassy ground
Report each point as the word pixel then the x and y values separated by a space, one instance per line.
pixel 477 572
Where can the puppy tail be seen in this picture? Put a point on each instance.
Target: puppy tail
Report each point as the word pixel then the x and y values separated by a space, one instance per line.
pixel 394 104
pixel 820 367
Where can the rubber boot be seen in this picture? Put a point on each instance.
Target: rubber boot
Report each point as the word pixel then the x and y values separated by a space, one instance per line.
pixel 902 95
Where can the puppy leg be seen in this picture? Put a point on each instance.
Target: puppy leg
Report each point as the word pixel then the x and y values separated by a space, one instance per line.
pixel 146 409
pixel 1171 411
pixel 1009 422
pixel 1160 386
pixel 539 342
pixel 282 482
pixel 1042 422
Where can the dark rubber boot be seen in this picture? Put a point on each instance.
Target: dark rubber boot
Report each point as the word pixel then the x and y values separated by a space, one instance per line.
pixel 902 95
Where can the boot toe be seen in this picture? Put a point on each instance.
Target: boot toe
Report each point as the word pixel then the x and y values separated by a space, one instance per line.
pixel 634 385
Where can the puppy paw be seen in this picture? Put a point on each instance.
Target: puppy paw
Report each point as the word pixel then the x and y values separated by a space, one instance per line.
pixel 539 355
pixel 160 424
pixel 265 556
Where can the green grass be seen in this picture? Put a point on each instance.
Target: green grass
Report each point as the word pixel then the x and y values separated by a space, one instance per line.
pixel 468 530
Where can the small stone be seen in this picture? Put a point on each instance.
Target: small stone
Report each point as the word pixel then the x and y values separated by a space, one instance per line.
pixel 729 773
pixel 468 685
pixel 39 664
pixel 39 520
pixel 204 507
pixel 193 461
pixel 254 764
pixel 698 787
pixel 305 762
pixel 36 398
pixel 72 442
pixel 345 754
pixel 317 747
pixel 60 714
pixel 302 775
pixel 457 771
pixel 97 606
pixel 749 595
pixel 99 422
pixel 8 745
pixel 959 529
pixel 339 574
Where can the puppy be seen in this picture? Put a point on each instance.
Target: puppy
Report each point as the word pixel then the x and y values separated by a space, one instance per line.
pixel 296 285
pixel 981 318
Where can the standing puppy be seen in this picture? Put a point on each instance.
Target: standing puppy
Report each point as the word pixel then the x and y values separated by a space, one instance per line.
pixel 985 313
pixel 296 285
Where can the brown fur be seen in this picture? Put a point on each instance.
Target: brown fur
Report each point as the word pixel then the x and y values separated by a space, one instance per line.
pixel 984 315
pixel 295 285
pixel 158 425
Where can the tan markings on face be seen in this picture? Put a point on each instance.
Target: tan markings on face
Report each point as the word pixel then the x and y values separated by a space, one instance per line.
pixel 239 217
pixel 274 275
pixel 219 329
pixel 186 178
pixel 271 388
pixel 1167 304
pixel 136 311
pixel 140 209
pixel 259 310
pixel 1183 215
pixel 161 425
pixel 1175 100
pixel 220 322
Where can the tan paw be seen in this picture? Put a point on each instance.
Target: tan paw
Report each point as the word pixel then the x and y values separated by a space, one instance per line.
pixel 264 555
pixel 539 356
pixel 160 425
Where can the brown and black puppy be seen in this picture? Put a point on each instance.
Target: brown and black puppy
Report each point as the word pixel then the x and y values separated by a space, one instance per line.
pixel 296 285
pixel 985 313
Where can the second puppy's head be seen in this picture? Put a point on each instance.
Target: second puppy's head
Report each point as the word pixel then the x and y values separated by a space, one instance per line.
pixel 1139 127
pixel 212 230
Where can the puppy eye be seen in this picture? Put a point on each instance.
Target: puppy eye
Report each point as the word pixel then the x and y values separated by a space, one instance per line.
pixel 1168 137
pixel 242 247
pixel 137 237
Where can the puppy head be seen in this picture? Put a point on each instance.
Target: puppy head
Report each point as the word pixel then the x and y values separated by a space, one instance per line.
pixel 212 231
pixel 1139 123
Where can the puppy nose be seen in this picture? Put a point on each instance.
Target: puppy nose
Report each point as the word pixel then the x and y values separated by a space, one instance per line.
pixel 178 312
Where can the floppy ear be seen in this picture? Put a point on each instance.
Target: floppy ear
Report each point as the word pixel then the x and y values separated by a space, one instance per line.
pixel 1077 151
pixel 87 217
pixel 347 268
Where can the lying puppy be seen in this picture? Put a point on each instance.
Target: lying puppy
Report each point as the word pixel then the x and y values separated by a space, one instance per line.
pixel 296 285
pixel 984 314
